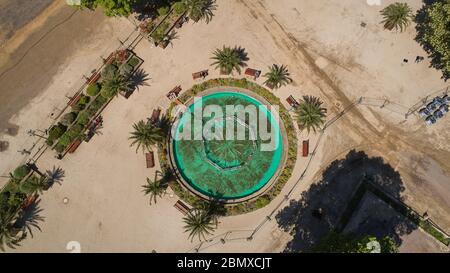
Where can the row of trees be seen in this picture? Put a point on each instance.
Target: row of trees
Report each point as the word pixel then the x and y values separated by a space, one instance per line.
pixel 196 9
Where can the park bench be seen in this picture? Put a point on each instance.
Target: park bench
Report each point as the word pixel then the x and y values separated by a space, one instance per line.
pixel 174 92
pixel 292 102
pixel 74 146
pixel 305 148
pixel 200 74
pixel 252 73
pixel 182 207
pixel 155 116
pixel 150 159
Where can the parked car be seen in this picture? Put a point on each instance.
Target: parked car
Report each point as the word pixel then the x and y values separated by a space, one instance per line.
pixel 444 108
pixel 438 114
pixel 430 120
pixel 431 106
pixel 446 99
pixel 424 112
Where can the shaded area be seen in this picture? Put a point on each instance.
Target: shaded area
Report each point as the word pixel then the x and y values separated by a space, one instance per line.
pixel 29 219
pixel 139 78
pixel 330 204
pixel 436 58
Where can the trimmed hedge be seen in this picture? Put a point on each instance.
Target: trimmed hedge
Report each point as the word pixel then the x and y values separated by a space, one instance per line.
pixel 93 89
pixel 285 173
pixel 20 172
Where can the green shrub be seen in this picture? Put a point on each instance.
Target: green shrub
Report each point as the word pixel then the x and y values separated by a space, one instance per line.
pixel 84 100
pixel 134 61
pixel 83 118
pixel 78 107
pixel 21 171
pixel 93 89
pixel 107 92
pixel 163 11
pixel 179 7
pixel 126 69
pixel 68 118
pixel 55 132
pixel 59 148
pixel 109 71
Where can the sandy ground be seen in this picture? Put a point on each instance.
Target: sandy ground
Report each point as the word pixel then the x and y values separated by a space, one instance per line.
pixel 328 54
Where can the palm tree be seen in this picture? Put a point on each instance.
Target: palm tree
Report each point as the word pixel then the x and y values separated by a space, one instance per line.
pixel 310 113
pixel 198 223
pixel 277 76
pixel 215 208
pixel 112 86
pixel 200 9
pixel 155 188
pixel 9 236
pixel 145 135
pixel 228 59
pixel 397 15
pixel 33 185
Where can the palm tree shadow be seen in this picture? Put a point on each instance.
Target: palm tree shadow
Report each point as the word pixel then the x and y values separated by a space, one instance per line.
pixel 140 78
pixel 173 35
pixel 322 208
pixel 29 219
pixel 243 56
pixel 56 175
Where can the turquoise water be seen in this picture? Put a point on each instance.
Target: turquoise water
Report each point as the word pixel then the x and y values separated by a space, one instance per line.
pixel 227 169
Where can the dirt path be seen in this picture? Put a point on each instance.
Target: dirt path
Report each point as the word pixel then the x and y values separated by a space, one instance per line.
pixel 33 56
pixel 388 140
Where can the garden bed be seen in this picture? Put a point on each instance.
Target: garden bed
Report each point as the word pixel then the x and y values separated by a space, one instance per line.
pixel 284 175
pixel 158 29
pixel 72 126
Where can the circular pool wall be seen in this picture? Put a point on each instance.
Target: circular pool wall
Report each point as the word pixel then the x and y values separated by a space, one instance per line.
pixel 213 165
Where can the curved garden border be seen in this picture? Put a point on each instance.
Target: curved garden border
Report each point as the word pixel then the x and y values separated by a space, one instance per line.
pixel 282 177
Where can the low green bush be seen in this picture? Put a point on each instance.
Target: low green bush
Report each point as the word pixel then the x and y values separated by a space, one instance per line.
pixel 93 89
pixel 68 119
pixel 163 11
pixel 109 71
pixel 134 61
pixel 21 171
pixel 59 148
pixel 125 69
pixel 55 132
pixel 83 118
pixel 84 100
pixel 179 7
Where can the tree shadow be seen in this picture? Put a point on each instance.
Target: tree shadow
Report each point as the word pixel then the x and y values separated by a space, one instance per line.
pixel 29 218
pixel 55 175
pixel 173 35
pixel 243 56
pixel 139 78
pixel 421 20
pixel 323 207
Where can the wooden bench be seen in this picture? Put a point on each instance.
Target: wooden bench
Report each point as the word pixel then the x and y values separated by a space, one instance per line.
pixel 201 74
pixel 182 207
pixel 74 146
pixel 174 92
pixel 150 159
pixel 93 78
pixel 155 116
pixel 252 73
pixel 292 102
pixel 305 148
pixel 74 100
